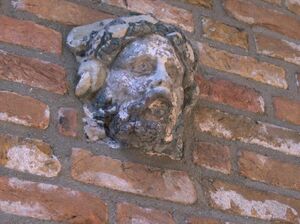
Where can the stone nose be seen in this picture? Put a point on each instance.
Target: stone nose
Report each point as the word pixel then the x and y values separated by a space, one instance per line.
pixel 161 76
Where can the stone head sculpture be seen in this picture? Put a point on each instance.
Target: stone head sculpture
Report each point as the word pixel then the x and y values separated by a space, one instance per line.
pixel 136 81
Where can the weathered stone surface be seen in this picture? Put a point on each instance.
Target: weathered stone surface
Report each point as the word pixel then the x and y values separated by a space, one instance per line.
pixel 277 48
pixel 244 66
pixel 247 202
pixel 29 34
pixel 252 14
pixel 50 202
pixel 161 10
pixel 61 11
pixel 23 110
pixel 104 171
pixel 203 3
pixel 33 72
pixel 213 156
pixel 131 214
pixel 267 170
pixel 240 128
pixel 229 93
pixel 219 31
pixel 287 110
pixel 293 5
pixel 28 155
pixel 67 121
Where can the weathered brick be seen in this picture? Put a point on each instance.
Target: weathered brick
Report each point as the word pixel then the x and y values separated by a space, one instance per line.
pixel 244 129
pixel 33 72
pixel 247 202
pixel 203 3
pixel 29 34
pixel 50 202
pixel 258 16
pixel 293 5
pixel 130 214
pixel 28 155
pixel 218 31
pixel 244 66
pixel 161 10
pixel 229 93
pixel 61 11
pixel 130 177
pixel 23 110
pixel 213 156
pixel 277 48
pixel 276 2
pixel 287 110
pixel 67 121
pixel 267 170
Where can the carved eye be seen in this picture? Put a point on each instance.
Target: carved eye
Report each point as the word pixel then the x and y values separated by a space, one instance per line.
pixel 142 67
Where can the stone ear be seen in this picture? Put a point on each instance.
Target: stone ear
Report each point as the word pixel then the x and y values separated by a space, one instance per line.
pixel 92 77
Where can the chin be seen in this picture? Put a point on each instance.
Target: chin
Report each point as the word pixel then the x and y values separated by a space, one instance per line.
pixel 146 135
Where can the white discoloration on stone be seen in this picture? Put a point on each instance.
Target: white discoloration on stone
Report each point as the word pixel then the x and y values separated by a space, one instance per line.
pixel 211 126
pixel 267 209
pixel 246 19
pixel 30 159
pixel 33 209
pixel 108 180
pixel 19 184
pixel 18 4
pixel 181 188
pixel 13 119
pixel 140 220
pixel 261 103
pixel 47 113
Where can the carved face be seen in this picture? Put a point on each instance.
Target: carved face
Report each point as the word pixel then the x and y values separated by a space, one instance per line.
pixel 144 93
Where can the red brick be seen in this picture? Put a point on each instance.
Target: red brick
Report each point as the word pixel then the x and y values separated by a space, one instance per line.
pixel 161 10
pixel 277 48
pixel 29 34
pixel 28 155
pixel 23 110
pixel 293 5
pixel 203 3
pixel 255 15
pixel 130 177
pixel 218 31
pixel 33 72
pixel 50 202
pixel 270 171
pixel 213 156
pixel 130 214
pixel 244 129
pixel 67 121
pixel 244 66
pixel 248 202
pixel 229 93
pixel 287 110
pixel 61 11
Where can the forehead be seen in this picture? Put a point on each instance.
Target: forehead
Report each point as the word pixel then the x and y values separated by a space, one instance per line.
pixel 153 45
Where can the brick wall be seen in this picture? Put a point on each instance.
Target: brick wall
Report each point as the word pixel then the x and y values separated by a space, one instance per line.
pixel 241 162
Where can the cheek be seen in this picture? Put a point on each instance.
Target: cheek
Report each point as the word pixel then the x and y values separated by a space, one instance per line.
pixel 125 86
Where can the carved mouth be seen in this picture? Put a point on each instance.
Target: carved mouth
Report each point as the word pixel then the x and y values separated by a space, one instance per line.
pixel 161 94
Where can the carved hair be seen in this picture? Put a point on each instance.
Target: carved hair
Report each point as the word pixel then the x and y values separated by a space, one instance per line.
pixel 107 38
